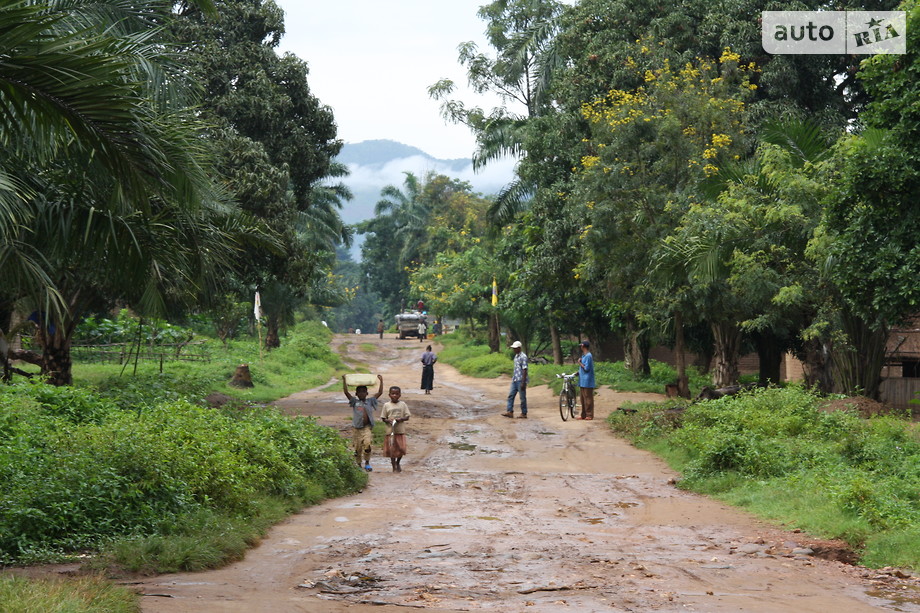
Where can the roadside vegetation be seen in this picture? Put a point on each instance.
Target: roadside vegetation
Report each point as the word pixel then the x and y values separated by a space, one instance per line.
pixel 470 354
pixel 135 471
pixel 303 361
pixel 80 595
pixel 785 456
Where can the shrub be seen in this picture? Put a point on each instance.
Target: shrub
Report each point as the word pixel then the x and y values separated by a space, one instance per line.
pixel 771 448
pixel 69 486
pixel 487 366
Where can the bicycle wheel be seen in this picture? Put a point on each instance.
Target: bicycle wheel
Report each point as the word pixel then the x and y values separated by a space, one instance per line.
pixel 564 404
pixel 572 402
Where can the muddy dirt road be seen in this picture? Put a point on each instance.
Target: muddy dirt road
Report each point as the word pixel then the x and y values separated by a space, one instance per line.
pixel 537 515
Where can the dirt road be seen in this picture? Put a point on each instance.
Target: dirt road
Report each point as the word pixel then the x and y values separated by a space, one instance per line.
pixel 536 515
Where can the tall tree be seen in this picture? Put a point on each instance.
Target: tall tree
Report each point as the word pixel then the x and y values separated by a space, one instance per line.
pixel 872 210
pixel 276 143
pixel 652 146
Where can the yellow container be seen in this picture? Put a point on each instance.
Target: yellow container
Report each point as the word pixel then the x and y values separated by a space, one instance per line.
pixel 355 379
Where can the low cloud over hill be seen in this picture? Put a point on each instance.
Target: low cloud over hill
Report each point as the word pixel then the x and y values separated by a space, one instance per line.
pixel 375 164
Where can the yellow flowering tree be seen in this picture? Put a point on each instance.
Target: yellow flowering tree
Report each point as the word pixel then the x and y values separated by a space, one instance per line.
pixel 651 147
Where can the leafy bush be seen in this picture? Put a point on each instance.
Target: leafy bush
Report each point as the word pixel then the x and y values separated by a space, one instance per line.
pixel 861 477
pixel 76 405
pixel 125 329
pixel 487 366
pixel 73 484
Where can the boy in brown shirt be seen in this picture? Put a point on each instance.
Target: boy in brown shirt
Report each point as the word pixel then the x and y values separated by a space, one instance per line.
pixel 396 414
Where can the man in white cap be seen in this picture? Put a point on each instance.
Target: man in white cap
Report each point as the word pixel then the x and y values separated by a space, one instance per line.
pixel 518 382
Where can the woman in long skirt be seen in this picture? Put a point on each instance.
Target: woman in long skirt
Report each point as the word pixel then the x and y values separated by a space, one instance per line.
pixel 428 360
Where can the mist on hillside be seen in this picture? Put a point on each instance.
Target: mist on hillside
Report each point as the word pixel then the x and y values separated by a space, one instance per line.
pixel 375 164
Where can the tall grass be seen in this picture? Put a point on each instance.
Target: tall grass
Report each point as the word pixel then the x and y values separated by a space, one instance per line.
pixel 82 595
pixel 777 453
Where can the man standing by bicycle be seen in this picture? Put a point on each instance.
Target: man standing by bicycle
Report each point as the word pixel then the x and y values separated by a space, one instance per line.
pixel 586 381
pixel 518 382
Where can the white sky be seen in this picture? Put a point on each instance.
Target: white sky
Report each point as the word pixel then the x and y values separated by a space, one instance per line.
pixel 373 60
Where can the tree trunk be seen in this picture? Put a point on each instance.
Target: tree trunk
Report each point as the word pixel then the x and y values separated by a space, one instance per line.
pixel 636 348
pixel 495 334
pixel 557 344
pixel 56 360
pixel 815 364
pixel 272 338
pixel 857 365
pixel 727 350
pixel 683 381
pixel 770 356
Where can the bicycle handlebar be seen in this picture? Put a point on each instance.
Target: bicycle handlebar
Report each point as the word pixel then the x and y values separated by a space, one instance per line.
pixel 565 376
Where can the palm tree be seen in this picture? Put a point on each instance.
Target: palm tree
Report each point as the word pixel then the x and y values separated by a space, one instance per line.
pixel 410 212
pixel 100 171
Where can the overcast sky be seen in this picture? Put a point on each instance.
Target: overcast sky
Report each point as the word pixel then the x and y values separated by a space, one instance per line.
pixel 373 60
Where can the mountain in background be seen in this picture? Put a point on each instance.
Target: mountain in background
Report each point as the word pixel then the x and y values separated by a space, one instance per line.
pixel 374 164
pixel 382 152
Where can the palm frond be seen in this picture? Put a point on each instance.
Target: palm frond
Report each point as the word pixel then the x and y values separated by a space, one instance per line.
pixel 804 139
pixel 513 199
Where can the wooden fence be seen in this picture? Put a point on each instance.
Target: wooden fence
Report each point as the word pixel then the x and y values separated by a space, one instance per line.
pixel 899 391
pixel 120 353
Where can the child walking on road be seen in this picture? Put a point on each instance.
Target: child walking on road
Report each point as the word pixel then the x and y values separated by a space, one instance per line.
pixel 396 414
pixel 362 418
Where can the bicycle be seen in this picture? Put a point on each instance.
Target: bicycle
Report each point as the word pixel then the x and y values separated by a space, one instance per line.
pixel 567 396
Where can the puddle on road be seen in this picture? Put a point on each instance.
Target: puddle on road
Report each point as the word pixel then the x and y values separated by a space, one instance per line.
pixel 471 447
pixel 907 595
pixel 548 433
pixel 593 520
pixel 442 527
pixel 625 505
pixel 487 518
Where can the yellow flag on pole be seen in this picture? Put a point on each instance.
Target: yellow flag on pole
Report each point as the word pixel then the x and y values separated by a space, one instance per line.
pixel 494 292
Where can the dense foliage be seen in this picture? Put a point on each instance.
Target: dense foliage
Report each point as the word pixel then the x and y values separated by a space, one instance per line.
pixel 780 452
pixel 140 457
pixel 79 470
pixel 149 176
pixel 677 186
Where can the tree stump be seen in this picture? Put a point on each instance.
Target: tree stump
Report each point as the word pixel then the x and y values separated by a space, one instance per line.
pixel 242 377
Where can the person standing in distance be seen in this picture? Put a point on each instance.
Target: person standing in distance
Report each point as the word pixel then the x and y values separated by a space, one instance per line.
pixel 380 328
pixel 586 381
pixel 429 357
pixel 518 382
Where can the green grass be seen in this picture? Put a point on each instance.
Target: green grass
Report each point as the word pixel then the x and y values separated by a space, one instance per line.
pixel 775 453
pixel 472 358
pixel 303 361
pixel 197 541
pixel 81 595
